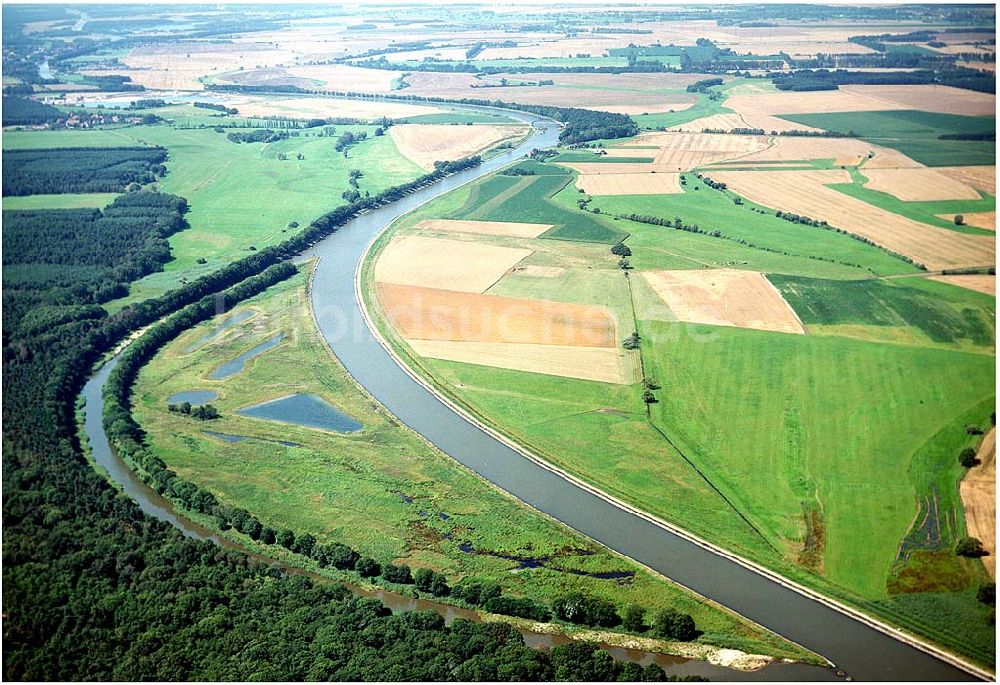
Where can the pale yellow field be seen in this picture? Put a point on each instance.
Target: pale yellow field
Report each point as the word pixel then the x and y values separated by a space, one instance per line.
pixel 980 177
pixel 430 314
pixel 984 220
pixel 347 78
pixel 684 151
pixel 846 151
pixel 604 364
pixel 588 91
pixel 320 107
pixel 445 264
pixel 918 185
pixel 760 110
pixel 509 229
pixel 648 108
pixel 805 192
pixel 424 144
pixel 979 499
pixel 981 283
pixel 930 98
pixel 724 297
pixel 161 67
pixel 629 184
pixel 717 122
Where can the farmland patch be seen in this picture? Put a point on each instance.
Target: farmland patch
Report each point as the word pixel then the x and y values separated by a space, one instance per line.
pixel 425 144
pixel 508 229
pixel 445 264
pixel 724 297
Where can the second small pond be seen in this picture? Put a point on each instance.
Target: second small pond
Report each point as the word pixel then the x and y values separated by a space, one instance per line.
pixel 304 410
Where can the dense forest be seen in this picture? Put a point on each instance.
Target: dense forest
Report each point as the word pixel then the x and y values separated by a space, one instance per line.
pixel 21 111
pixel 80 170
pixel 823 79
pixel 68 257
pixel 94 589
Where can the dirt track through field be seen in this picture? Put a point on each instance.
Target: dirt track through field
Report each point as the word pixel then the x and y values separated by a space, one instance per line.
pixel 445 264
pixel 806 193
pixel 978 490
pixel 724 297
pixel 429 314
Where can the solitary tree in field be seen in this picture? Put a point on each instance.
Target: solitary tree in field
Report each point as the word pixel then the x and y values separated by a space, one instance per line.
pixel 967 458
pixel 959 220
pixel 969 547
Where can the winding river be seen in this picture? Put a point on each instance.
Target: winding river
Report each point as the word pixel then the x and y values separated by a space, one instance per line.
pixel 860 650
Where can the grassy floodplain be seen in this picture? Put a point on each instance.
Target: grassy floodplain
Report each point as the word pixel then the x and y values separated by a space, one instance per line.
pixel 242 196
pixel 382 490
pixel 812 454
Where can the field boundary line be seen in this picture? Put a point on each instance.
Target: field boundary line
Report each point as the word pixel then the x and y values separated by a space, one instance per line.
pixel 773 576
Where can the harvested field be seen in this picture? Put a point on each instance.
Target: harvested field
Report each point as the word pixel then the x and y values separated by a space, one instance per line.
pixel 588 91
pixel 604 364
pixel 759 110
pixel 509 229
pixel 918 185
pixel 424 144
pixel 978 490
pixel 630 184
pixel 981 283
pixel 980 177
pixel 846 152
pixel 806 193
pixel 672 104
pixel 984 220
pixel 445 264
pixel 723 122
pixel 318 107
pixel 347 78
pixel 684 151
pixel 535 271
pixel 158 66
pixel 929 98
pixel 725 297
pixel 428 314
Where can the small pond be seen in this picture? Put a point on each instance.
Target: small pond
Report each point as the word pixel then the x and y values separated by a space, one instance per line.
pixel 234 366
pixel 227 322
pixel 194 397
pixel 303 410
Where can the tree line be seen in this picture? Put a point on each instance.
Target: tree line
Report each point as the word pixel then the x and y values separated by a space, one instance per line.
pixel 80 170
pixel 581 125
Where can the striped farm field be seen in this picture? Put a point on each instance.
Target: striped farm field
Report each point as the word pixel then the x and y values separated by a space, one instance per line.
pixel 808 193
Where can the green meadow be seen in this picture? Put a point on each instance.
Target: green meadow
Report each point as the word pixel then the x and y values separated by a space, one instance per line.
pixel 242 196
pixel 381 490
pixel 914 133
pixel 60 201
